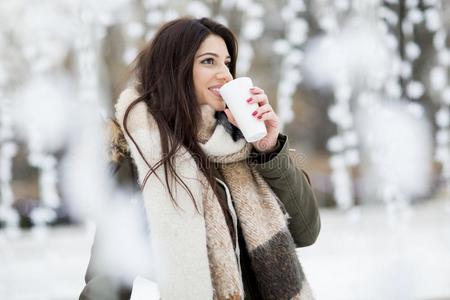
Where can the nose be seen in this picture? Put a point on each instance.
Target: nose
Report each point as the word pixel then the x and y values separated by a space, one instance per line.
pixel 224 75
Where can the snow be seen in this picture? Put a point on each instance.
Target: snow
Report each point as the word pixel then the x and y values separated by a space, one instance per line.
pixel 365 253
pixel 381 256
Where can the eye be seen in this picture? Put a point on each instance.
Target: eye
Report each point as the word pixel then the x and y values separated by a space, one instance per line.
pixel 208 61
pixel 228 64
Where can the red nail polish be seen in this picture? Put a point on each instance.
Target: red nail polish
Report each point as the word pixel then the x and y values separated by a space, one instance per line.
pixel 254 113
pixel 259 117
pixel 249 99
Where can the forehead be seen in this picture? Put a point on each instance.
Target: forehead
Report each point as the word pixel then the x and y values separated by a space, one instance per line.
pixel 215 44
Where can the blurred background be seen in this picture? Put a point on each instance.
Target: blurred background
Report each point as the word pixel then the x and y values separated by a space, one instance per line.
pixel 361 88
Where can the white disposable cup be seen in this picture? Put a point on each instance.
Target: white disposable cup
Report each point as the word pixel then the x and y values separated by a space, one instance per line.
pixel 235 94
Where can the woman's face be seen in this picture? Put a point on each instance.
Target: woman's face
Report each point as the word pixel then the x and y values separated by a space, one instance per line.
pixel 211 71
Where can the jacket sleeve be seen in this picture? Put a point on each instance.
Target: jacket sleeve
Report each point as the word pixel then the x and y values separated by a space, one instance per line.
pixel 291 184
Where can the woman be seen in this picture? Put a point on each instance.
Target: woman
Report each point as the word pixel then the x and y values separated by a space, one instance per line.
pixel 225 215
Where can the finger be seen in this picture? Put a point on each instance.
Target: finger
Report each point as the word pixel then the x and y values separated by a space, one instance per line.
pixel 230 117
pixel 261 99
pixel 256 90
pixel 271 115
pixel 262 109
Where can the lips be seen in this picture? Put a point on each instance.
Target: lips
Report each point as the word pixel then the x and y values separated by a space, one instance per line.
pixel 215 90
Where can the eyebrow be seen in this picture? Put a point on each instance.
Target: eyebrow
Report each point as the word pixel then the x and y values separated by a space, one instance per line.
pixel 210 53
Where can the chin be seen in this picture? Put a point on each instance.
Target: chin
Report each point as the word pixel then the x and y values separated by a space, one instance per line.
pixel 218 106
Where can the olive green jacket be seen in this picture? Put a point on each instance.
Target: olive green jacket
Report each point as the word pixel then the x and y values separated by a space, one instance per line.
pixel 283 173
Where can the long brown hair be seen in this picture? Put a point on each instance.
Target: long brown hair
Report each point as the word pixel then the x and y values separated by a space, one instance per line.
pixel 164 74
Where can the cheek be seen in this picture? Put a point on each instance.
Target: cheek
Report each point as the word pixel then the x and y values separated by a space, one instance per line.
pixel 198 75
pixel 198 84
pixel 201 82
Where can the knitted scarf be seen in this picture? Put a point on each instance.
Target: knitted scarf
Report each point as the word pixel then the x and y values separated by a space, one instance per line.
pixel 195 254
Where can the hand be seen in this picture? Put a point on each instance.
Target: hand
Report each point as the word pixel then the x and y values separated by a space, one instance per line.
pixel 266 114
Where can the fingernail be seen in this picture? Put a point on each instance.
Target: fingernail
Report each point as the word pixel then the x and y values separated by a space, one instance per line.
pixel 259 117
pixel 254 113
pixel 249 99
